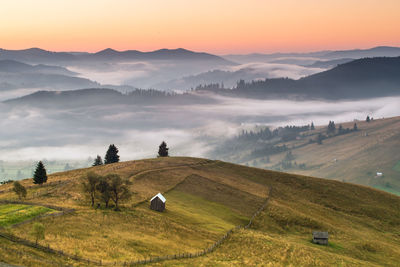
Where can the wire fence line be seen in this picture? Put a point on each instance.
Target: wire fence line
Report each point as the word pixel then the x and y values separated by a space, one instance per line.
pixel 202 252
pixel 155 259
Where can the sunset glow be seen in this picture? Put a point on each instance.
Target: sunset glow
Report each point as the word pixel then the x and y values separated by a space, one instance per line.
pixel 223 26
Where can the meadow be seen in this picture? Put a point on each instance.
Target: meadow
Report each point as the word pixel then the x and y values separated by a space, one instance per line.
pixel 204 200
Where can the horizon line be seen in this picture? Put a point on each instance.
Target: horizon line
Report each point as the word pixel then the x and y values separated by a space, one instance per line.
pixel 205 51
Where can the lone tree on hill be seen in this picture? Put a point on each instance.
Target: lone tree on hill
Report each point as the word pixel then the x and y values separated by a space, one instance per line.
pixel 98 161
pixel 89 185
pixel 40 175
pixel 38 232
pixel 19 189
pixel 163 150
pixel 368 119
pixel 111 155
pixel 355 128
pixel 312 126
pixel 119 189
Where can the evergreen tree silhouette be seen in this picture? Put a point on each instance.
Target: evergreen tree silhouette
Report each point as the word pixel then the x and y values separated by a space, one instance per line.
pixel 98 161
pixel 40 175
pixel 111 155
pixel 163 150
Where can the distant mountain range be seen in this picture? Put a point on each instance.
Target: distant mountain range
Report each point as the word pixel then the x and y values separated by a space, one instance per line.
pixel 362 78
pixel 305 58
pixel 102 96
pixel 18 67
pixel 15 75
pixel 37 55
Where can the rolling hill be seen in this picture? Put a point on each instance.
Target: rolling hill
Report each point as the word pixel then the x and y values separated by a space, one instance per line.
pixel 205 199
pixel 353 157
pixel 361 78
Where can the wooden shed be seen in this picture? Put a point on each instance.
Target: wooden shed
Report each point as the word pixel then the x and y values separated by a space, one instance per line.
pixel 320 238
pixel 158 202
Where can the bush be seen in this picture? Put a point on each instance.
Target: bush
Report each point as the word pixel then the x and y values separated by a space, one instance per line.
pixel 19 189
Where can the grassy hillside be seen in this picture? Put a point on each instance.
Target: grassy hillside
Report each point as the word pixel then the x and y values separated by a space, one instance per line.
pixel 204 200
pixel 354 157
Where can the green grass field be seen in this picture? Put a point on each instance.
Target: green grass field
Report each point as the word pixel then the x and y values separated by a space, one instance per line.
pixel 15 213
pixel 205 199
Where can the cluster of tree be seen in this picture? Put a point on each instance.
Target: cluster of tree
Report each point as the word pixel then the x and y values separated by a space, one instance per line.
pixel 368 119
pixel 268 150
pixel 151 93
pixel 331 131
pixel 286 163
pixel 113 157
pixel 286 133
pixel 289 165
pixel 331 127
pixel 105 188
pixel 209 87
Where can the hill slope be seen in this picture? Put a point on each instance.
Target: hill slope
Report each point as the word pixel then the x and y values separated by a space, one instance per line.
pixel 361 78
pixel 353 157
pixel 204 200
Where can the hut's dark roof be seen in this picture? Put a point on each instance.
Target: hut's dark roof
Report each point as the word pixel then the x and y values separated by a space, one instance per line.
pixel 320 234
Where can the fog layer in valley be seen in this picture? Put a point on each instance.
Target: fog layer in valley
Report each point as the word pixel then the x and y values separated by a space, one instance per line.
pixel 190 130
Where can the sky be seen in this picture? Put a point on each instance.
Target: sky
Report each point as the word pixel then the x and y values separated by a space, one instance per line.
pixel 216 26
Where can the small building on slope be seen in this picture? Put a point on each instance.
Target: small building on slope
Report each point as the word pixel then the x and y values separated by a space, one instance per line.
pixel 320 238
pixel 158 202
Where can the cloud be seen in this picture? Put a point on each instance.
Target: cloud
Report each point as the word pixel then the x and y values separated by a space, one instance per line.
pixel 275 70
pixel 189 130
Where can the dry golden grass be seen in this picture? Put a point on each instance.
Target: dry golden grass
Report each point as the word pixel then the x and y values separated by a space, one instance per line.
pixel 358 157
pixel 207 198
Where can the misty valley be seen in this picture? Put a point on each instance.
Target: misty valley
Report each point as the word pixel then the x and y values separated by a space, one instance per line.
pixel 199 103
pixel 121 158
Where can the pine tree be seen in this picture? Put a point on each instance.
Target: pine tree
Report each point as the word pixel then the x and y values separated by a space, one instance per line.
pixel 368 119
pixel 98 161
pixel 331 127
pixel 40 175
pixel 312 126
pixel 163 150
pixel 355 128
pixel 111 155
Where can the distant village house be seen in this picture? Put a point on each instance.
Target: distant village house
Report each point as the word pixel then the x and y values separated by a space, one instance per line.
pixel 158 202
pixel 320 238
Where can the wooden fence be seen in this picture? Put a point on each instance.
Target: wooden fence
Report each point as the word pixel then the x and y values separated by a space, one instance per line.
pixel 126 263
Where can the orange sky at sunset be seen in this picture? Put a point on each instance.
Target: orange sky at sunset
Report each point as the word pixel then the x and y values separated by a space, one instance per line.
pixel 217 26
